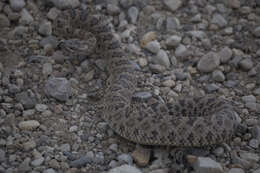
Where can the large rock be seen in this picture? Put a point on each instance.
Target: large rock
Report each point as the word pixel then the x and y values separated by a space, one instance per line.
pixel 208 62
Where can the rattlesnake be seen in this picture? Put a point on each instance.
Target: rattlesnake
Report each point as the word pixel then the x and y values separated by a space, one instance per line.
pixel 191 121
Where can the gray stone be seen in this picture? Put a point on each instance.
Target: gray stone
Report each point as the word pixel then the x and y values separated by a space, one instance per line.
pixel 173 41
pixel 257 170
pixel 254 143
pixel 257 31
pixel 211 87
pixel 246 64
pixel 174 61
pixel 251 157
pixel 2 155
pixel 59 88
pixel 142 96
pixel 26 17
pixel 27 101
pixel 236 170
pixel 219 151
pixel 133 14
pixel 181 51
pixel 257 91
pixel 24 166
pixel 198 34
pixel 225 54
pixel 37 162
pixel 219 20
pixel 65 4
pixel 4 21
pixel 208 62
pixel 50 170
pixel 162 59
pixel 218 76
pixel 45 28
pixel 173 5
pixel 249 98
pixel 172 23
pixel 113 9
pixel 124 169
pixel 17 5
pixel 125 158
pixel 206 164
pixel 82 161
pixel 153 46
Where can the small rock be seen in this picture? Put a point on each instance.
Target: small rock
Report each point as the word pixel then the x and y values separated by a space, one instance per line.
pixel 208 62
pixel 59 88
pixel 254 143
pixel 173 5
pixel 173 41
pixel 2 155
pixel 249 98
pixel 37 162
pixel 257 31
pixel 29 125
pixel 17 5
pixel 141 156
pixel 26 18
pixel 27 101
pixel 4 21
pixel 47 69
pixel 29 145
pixel 133 14
pixel 251 157
pixel 50 170
pixel 246 64
pixel 156 68
pixel 256 171
pixel 53 13
pixel 236 170
pixel 225 54
pixel 80 162
pixel 125 169
pixel 198 34
pixel 219 20
pixel 206 164
pixel 147 38
pixel 41 107
pixel 125 158
pixel 25 165
pixel 234 3
pixel 172 23
pixel 181 51
pixel 45 28
pixel 142 96
pixel 219 151
pixel 113 9
pixel 53 163
pixel 162 59
pixel 218 76
pixel 153 46
pixel 191 159
pixel 66 4
pixel 65 147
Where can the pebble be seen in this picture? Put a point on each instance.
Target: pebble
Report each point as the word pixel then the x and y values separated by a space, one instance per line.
pixel 47 69
pixel 219 20
pixel 133 14
pixel 153 46
pixel 41 107
pixel 17 5
pixel 219 151
pixel 2 155
pixel 142 96
pixel 50 170
pixel 4 21
pixel 257 31
pixel 29 145
pixel 37 162
pixel 249 98
pixel 156 68
pixel 113 9
pixel 234 3
pixel 125 158
pixel 173 41
pixel 218 76
pixel 45 28
pixel 82 161
pixel 53 13
pixel 208 62
pixel 225 54
pixel 147 38
pixel 246 64
pixel 26 18
pixel 66 4
pixel 162 59
pixel 59 88
pixel 254 143
pixel 251 157
pixel 125 169
pixel 173 5
pixel 172 23
pixel 181 51
pixel 198 34
pixel 29 125
pixel 256 171
pixel 206 164
pixel 236 170
pixel 141 156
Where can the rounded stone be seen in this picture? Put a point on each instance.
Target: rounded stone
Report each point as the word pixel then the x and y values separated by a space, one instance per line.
pixel 208 62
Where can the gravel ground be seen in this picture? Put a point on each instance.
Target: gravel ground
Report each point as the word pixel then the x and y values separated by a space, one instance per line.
pixel 49 100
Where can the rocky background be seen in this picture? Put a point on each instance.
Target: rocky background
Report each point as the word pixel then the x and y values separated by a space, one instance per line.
pixel 49 100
